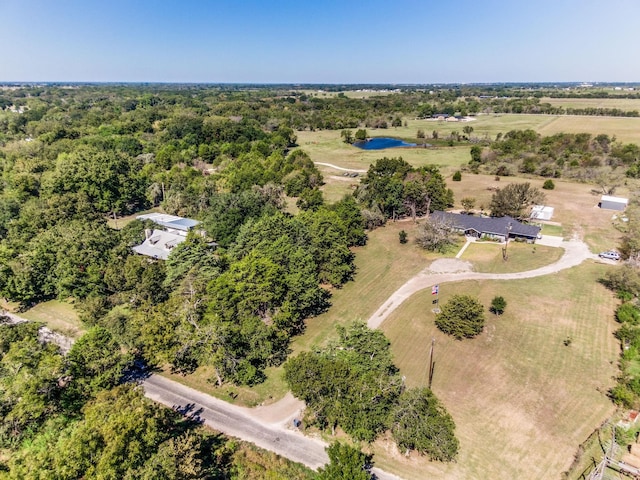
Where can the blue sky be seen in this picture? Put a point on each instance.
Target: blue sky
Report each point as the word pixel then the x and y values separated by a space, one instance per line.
pixel 284 41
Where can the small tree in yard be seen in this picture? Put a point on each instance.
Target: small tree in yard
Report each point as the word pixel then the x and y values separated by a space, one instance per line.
pixel 402 236
pixel 462 317
pixel 498 305
pixel 548 185
pixel 457 176
pixel 468 203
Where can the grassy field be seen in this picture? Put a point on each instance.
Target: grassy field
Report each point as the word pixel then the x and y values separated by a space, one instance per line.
pixel 58 316
pixel 522 400
pixel 626 104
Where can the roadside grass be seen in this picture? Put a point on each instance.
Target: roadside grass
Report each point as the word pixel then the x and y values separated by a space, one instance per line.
pixel 486 257
pixel 522 400
pixel 204 380
pixel 58 316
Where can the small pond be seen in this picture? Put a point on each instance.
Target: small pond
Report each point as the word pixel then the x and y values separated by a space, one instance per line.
pixel 379 143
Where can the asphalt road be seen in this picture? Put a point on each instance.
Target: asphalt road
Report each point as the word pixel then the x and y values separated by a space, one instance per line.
pixel 279 437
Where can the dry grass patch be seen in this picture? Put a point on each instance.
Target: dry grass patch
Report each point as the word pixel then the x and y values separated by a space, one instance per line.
pixel 522 400
pixel 486 257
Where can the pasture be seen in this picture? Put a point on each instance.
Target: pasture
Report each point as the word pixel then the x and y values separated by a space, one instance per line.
pixel 626 104
pixel 522 398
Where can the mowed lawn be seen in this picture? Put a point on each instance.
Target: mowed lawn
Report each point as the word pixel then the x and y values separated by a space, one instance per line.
pixel 487 257
pixel 522 400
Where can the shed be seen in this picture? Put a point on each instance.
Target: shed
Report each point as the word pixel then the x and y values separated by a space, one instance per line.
pixel 613 203
pixel 541 212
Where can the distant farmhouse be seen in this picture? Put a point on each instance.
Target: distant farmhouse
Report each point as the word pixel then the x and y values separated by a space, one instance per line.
pixel 613 203
pixel 498 228
pixel 159 243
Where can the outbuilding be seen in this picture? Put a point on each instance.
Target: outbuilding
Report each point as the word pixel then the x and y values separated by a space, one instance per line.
pixel 541 212
pixel 613 203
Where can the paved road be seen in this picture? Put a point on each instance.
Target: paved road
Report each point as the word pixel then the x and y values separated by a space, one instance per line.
pixel 575 253
pixel 236 421
pixel 279 437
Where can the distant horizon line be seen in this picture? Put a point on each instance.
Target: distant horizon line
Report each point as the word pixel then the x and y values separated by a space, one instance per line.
pixel 315 84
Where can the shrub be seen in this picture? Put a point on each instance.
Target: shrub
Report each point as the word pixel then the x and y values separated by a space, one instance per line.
pixel 549 185
pixel 457 176
pixel 628 313
pixel 498 305
pixel 403 236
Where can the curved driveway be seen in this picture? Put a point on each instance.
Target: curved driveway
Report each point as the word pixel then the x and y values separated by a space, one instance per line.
pixel 576 251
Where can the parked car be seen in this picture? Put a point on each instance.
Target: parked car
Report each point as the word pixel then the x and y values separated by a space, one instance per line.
pixel 611 255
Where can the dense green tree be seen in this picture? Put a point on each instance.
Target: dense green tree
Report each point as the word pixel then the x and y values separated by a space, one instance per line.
pixel 95 362
pixel 346 463
pixel 461 317
pixel 110 179
pixel 352 384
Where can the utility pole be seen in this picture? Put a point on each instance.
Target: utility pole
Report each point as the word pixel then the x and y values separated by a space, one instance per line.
pixel 433 342
pixel 506 242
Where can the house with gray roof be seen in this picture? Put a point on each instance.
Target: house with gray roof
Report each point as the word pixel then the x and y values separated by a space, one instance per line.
pixel 158 244
pixel 489 227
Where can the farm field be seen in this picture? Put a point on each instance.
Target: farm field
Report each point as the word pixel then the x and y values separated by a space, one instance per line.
pixel 627 104
pixel 522 400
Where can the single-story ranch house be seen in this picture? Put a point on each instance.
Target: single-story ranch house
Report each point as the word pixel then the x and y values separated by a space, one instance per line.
pixel 489 227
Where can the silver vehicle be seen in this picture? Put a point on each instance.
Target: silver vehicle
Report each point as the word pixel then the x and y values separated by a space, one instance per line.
pixel 611 255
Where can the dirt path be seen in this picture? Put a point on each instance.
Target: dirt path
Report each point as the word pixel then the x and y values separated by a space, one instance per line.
pixel 340 168
pixel 576 252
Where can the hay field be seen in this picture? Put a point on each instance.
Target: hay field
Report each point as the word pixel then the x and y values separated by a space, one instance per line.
pixel 627 104
pixel 488 126
pixel 522 400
